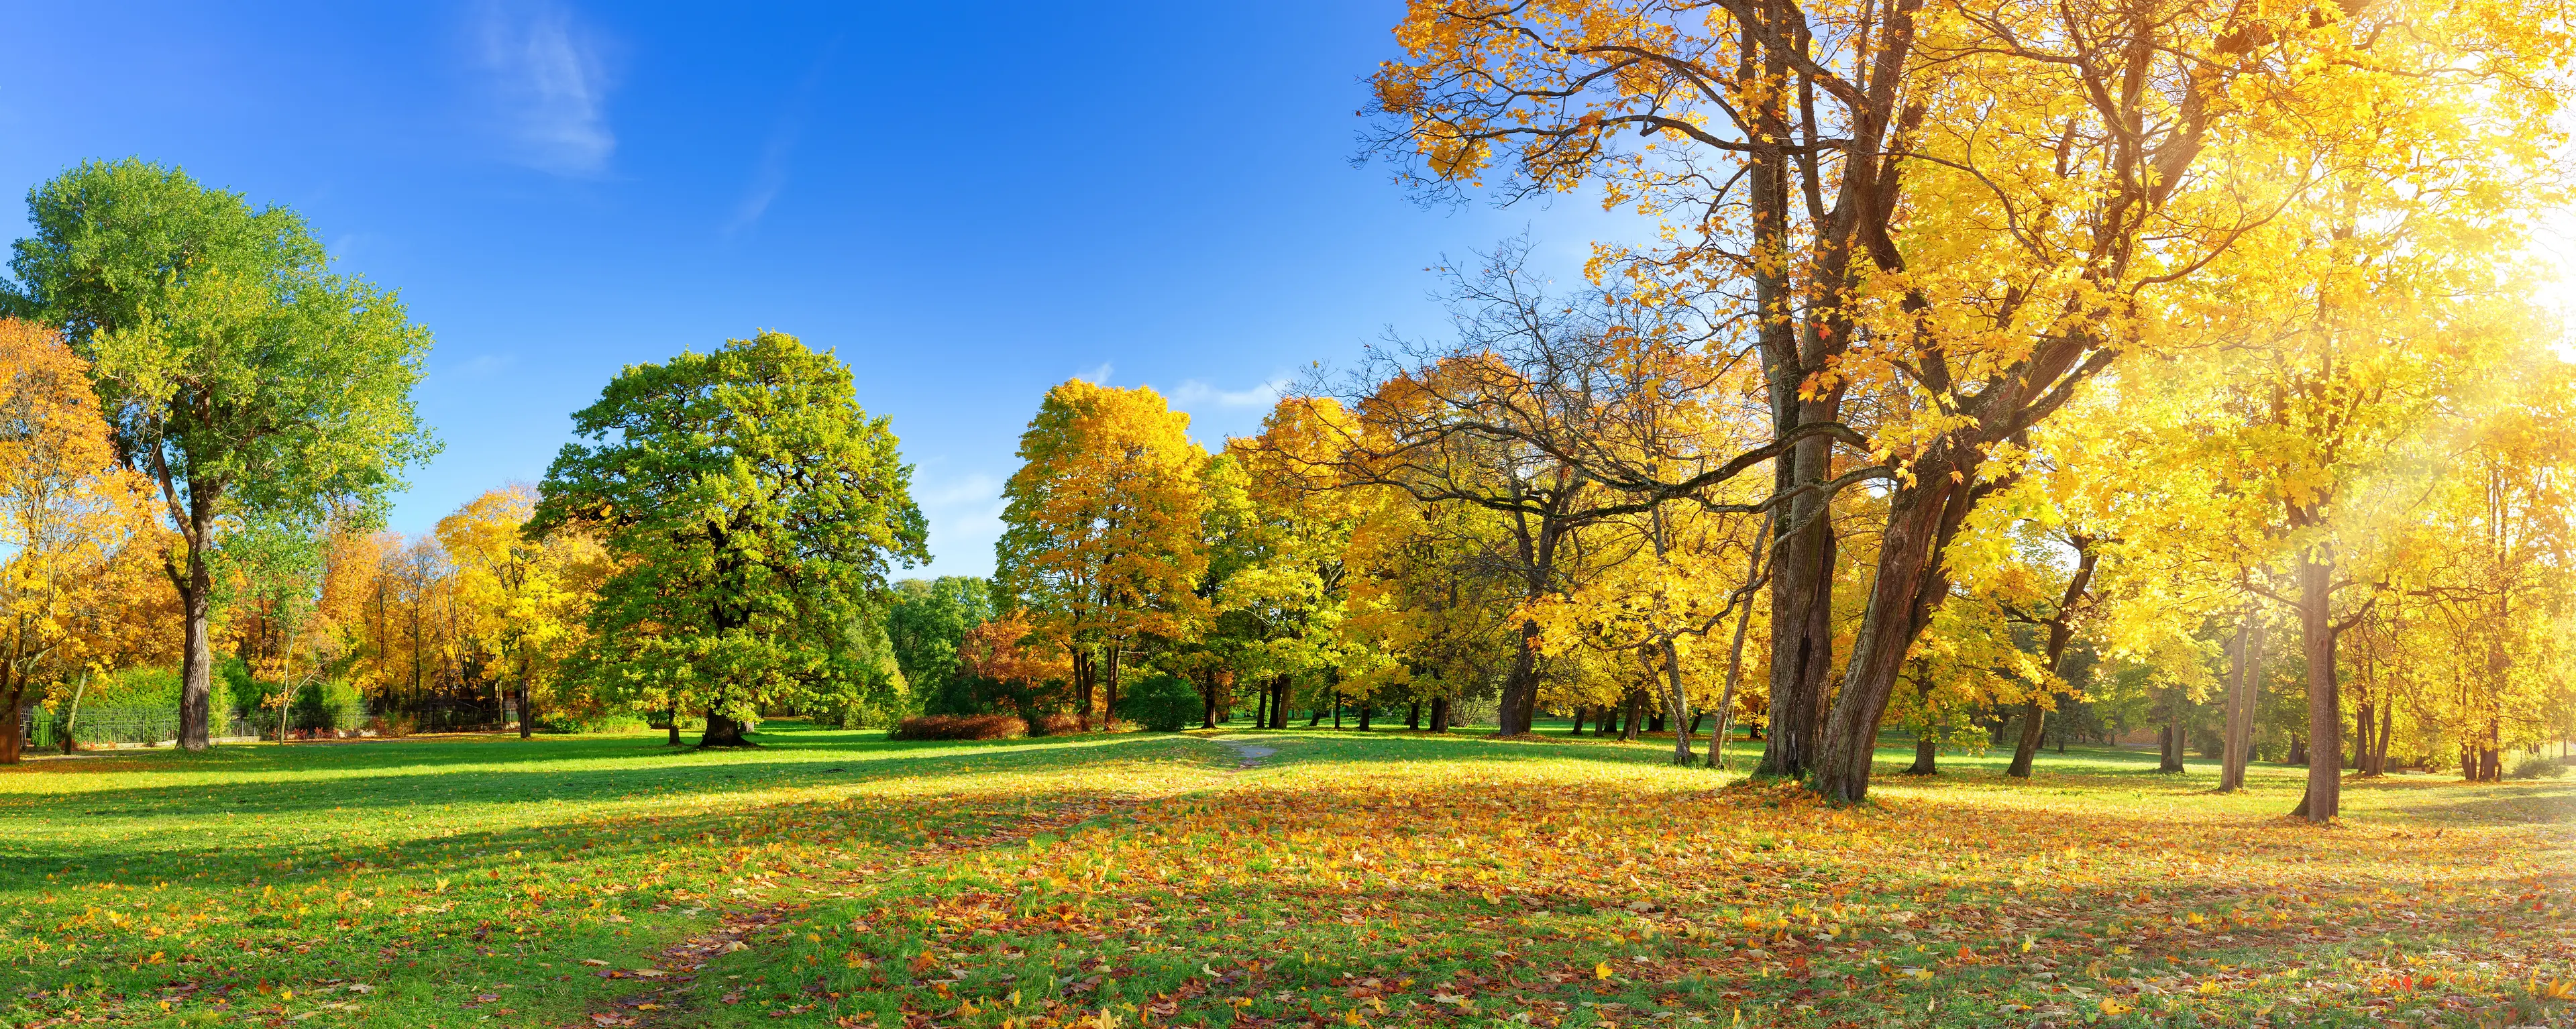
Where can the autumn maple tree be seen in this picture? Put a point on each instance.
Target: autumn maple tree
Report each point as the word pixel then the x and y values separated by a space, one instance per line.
pixel 1100 540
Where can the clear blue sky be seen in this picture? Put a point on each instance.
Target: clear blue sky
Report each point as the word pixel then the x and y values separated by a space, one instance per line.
pixel 970 202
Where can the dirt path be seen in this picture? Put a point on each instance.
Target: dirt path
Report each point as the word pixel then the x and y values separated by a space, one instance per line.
pixel 664 980
pixel 1250 753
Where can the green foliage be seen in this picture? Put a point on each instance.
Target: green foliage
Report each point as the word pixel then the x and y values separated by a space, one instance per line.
pixel 1162 703
pixel 754 510
pixel 228 357
pixel 2538 766
pixel 924 623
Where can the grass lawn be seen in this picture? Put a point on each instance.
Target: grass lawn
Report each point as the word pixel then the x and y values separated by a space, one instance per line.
pixel 833 878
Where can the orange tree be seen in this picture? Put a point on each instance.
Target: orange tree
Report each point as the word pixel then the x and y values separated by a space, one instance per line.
pixel 1101 534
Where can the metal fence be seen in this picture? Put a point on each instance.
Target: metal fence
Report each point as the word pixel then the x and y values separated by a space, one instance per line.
pixel 43 728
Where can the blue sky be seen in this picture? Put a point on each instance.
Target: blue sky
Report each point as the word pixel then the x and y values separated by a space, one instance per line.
pixel 970 202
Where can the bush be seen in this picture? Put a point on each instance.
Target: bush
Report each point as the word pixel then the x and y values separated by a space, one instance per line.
pixel 960 727
pixel 1057 723
pixel 1162 703
pixel 2537 766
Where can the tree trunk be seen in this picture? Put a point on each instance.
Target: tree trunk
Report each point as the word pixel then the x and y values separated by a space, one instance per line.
pixel 723 732
pixel 527 714
pixel 1579 711
pixel 1439 714
pixel 1919 520
pixel 1366 709
pixel 1279 702
pixel 1632 716
pixel 1927 757
pixel 1261 709
pixel 1677 707
pixel 2324 799
pixel 13 721
pixel 2175 732
pixel 1084 678
pixel 2061 628
pixel 1801 638
pixel 1315 716
pixel 2034 721
pixel 1109 713
pixel 2243 680
pixel 1207 693
pixel 1337 709
pixel 71 717
pixel 672 722
pixel 1520 692
pixel 197 656
pixel 1413 716
pixel 2299 756
pixel 2387 716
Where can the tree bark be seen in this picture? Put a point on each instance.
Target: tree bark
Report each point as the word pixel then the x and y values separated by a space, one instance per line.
pixel 1801 642
pixel 1579 711
pixel 1261 709
pixel 527 714
pixel 1631 718
pixel 2174 734
pixel 1520 692
pixel 1927 757
pixel 723 732
pixel 1413 716
pixel 1440 714
pixel 1207 716
pixel 2324 799
pixel 1677 710
pixel 197 658
pixel 672 723
pixel 2243 679
pixel 1109 713
pixel 1920 519
pixel 2061 629
pixel 2034 722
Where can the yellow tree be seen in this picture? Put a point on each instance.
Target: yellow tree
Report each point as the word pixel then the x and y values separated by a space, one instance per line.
pixel 1285 594
pixel 1101 531
pixel 1967 212
pixel 521 600
pixel 66 512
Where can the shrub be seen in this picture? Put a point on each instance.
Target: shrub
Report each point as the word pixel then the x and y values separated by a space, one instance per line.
pixel 1058 723
pixel 960 727
pixel 2537 766
pixel 1162 703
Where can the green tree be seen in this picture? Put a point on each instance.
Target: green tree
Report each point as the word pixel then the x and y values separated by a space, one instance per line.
pixel 238 373
pixel 753 510
pixel 926 622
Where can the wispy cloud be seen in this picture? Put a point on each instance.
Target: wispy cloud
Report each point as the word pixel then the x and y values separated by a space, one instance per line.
pixel 965 512
pixel 1193 393
pixel 1097 376
pixel 770 176
pixel 550 83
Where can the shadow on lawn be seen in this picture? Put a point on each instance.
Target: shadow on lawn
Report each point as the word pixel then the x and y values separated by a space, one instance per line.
pixel 398 784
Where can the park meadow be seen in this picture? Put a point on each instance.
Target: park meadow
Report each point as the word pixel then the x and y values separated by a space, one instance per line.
pixel 1251 877
pixel 2061 513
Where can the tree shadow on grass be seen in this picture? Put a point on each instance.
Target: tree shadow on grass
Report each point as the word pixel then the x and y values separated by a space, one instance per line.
pixel 423 776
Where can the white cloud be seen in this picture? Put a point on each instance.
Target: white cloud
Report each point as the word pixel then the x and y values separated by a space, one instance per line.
pixel 1193 393
pixel 551 85
pixel 769 177
pixel 965 514
pixel 1098 376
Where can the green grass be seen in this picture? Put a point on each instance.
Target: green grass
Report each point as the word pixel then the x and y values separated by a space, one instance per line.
pixel 835 878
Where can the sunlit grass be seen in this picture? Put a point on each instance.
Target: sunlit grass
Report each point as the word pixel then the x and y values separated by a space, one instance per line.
pixel 1390 879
